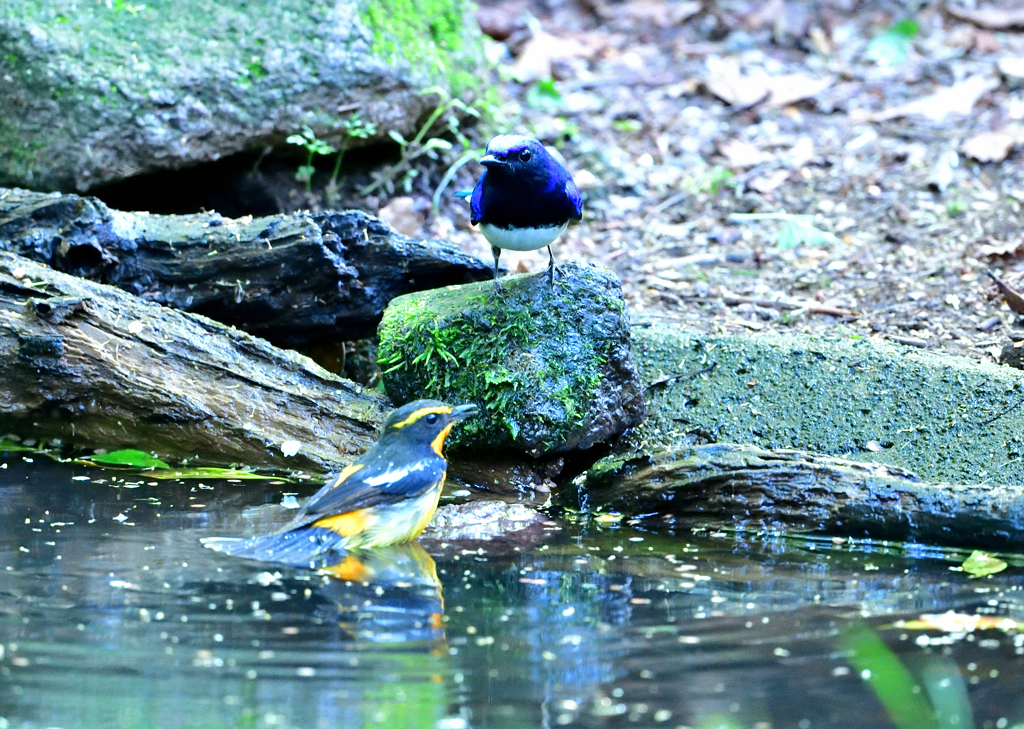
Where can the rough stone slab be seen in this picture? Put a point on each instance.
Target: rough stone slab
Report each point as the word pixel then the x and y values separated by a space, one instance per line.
pixel 947 419
pixel 550 367
pixel 93 92
pixel 98 368
pixel 746 487
pixel 295 280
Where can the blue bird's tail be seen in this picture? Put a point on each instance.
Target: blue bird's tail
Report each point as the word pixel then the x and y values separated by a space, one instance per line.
pixel 311 547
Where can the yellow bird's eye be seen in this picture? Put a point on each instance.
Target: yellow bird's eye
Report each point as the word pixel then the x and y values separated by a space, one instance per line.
pixel 432 418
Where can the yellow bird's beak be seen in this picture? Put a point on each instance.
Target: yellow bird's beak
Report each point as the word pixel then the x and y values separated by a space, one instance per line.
pixel 462 412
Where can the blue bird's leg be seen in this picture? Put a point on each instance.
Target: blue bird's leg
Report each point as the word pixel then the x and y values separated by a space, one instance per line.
pixel 496 252
pixel 552 268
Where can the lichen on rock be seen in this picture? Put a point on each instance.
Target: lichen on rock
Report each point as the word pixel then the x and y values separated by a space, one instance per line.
pixel 550 367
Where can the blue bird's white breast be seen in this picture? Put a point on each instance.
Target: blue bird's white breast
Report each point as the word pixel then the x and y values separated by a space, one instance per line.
pixel 521 239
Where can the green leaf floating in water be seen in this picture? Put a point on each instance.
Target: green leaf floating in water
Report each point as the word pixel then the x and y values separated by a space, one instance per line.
pixel 890 680
pixel 982 564
pixel 212 473
pixel 11 446
pixel 128 457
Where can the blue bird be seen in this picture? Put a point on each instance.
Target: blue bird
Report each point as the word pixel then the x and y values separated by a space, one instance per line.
pixel 524 199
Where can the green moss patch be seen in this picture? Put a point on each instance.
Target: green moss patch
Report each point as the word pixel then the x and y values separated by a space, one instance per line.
pixel 99 91
pixel 429 35
pixel 550 367
pixel 944 418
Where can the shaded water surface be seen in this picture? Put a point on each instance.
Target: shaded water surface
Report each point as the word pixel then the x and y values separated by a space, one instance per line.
pixel 113 615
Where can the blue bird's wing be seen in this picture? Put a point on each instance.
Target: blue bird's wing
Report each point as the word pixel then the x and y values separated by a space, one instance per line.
pixel 573 193
pixel 463 194
pixel 476 201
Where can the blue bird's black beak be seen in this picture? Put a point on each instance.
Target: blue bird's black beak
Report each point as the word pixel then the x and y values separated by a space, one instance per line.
pixel 489 160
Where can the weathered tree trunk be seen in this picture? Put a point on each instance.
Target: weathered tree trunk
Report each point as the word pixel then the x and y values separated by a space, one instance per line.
pixel 97 367
pixel 748 487
pixel 295 280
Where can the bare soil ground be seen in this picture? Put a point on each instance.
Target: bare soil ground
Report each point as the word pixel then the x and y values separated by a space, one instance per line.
pixel 901 142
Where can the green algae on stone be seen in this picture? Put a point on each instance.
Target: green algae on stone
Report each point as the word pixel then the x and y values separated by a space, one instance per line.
pixel 550 367
pixel 94 92
pixel 945 418
pixel 427 35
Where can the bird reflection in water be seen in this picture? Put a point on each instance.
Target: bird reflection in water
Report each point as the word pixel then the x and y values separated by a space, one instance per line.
pixel 387 595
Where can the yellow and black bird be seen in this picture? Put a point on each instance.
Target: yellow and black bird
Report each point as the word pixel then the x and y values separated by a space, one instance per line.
pixel 387 496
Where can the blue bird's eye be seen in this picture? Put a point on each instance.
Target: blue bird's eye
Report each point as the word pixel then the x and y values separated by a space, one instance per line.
pixel 432 418
pixel 525 155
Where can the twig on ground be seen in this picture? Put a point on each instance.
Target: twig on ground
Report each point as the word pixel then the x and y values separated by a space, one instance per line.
pixel 663 381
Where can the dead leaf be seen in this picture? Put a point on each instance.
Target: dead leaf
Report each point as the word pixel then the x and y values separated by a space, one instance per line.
pixel 942 173
pixel 801 153
pixel 765 15
pixel 1012 69
pixel 540 52
pixel 990 18
pixel 732 83
pixel 1013 299
pixel 767 183
pixel 986 42
pixel 401 214
pixel 739 153
pixel 1009 249
pixel 955 100
pixel 789 88
pixel 988 146
pixel 726 80
pixel 659 13
pixel 501 21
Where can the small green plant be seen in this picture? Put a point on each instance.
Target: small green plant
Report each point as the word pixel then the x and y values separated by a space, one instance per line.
pixel 711 181
pixel 437 344
pixel 892 47
pixel 253 71
pixel 422 144
pixel 796 229
pixel 354 128
pixel 956 207
pixel 313 146
pixel 545 96
pixel 630 126
pixel 119 6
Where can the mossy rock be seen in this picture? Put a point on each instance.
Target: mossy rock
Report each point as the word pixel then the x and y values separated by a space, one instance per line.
pixel 550 366
pixel 94 92
pixel 945 418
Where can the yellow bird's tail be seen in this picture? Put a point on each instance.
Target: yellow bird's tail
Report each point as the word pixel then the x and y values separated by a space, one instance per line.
pixel 311 546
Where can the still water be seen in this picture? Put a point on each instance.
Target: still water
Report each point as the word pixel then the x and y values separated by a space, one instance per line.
pixel 113 615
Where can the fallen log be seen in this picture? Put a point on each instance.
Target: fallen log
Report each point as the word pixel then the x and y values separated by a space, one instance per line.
pixel 294 280
pixel 96 367
pixel 746 487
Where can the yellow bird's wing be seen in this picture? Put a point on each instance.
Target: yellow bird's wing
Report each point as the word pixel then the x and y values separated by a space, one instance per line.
pixel 379 483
